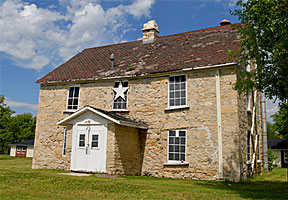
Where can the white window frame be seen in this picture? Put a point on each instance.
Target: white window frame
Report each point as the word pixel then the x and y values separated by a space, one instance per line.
pixel 122 109
pixel 18 150
pixel 248 146
pixel 179 106
pixel 77 85
pixel 177 133
pixel 85 140
pixel 64 142
pixel 95 140
pixel 249 102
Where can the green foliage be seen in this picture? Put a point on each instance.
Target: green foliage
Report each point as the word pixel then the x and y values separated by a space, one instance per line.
pixel 271 159
pixel 16 128
pixel 281 120
pixel 271 131
pixel 264 32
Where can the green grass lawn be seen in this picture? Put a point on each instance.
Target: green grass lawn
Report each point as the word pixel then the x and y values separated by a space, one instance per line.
pixel 19 181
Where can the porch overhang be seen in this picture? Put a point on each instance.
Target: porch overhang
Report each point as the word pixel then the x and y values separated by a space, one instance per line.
pixel 117 119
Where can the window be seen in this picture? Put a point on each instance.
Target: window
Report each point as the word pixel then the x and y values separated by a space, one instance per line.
pixel 82 140
pixel 176 145
pixel 94 141
pixel 120 96
pixel 248 101
pixel 73 98
pixel 177 90
pixel 64 141
pixel 248 145
pixel 23 150
pixel 18 150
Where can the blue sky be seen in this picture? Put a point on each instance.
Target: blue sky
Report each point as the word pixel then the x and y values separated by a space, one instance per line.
pixel 37 36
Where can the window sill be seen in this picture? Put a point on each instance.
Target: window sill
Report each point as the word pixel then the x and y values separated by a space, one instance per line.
pixel 177 108
pixel 176 164
pixel 69 111
pixel 259 161
pixel 120 110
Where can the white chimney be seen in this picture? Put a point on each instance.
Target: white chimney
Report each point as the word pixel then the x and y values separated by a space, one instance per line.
pixel 150 31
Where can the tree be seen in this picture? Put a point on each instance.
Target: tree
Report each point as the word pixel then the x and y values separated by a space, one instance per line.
pixel 264 33
pixel 16 128
pixel 5 133
pixel 281 120
pixel 271 131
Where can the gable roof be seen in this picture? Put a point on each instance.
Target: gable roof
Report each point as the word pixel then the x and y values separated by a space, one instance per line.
pixel 277 143
pixel 111 116
pixel 206 47
pixel 24 143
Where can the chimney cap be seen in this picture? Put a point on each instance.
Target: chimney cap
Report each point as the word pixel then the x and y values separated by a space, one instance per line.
pixel 225 22
pixel 150 25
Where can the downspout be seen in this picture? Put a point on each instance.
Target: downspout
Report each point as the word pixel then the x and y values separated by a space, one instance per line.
pixel 264 132
pixel 218 99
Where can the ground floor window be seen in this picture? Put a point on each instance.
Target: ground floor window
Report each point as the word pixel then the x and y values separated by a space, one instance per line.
pixel 64 141
pixel 177 145
pixel 18 149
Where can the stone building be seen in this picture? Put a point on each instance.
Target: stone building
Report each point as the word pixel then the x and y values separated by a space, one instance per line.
pixel 161 106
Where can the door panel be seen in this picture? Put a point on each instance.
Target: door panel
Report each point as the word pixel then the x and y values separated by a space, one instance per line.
pixel 90 148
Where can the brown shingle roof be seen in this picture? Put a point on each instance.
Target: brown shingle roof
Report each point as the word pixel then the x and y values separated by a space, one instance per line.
pixel 168 53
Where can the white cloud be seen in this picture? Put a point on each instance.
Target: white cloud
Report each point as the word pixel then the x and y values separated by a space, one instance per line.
pixel 21 104
pixel 35 37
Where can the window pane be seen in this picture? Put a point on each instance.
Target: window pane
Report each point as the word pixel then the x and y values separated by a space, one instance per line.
pixel 71 91
pixel 171 140
pixel 125 84
pixel 177 140
pixel 70 102
pixel 75 102
pixel 182 133
pixel 183 86
pixel 172 95
pixel 171 87
pixel 171 148
pixel 94 144
pixel 177 102
pixel 177 79
pixel 82 137
pixel 177 86
pixel 116 84
pixel 182 140
pixel 172 133
pixel 172 102
pixel 177 149
pixel 76 92
pixel 177 94
pixel 182 157
pixel 171 157
pixel 183 78
pixel 177 156
pixel 183 93
pixel 94 137
pixel 81 144
pixel 183 101
pixel 182 149
pixel 172 79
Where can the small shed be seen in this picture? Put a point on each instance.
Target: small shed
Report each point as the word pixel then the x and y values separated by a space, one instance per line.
pixel 280 147
pixel 22 149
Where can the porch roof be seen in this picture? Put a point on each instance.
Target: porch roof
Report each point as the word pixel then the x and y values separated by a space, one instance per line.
pixel 111 116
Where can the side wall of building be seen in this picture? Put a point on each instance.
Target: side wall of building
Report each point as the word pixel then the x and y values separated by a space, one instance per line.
pixel 148 102
pixel 13 151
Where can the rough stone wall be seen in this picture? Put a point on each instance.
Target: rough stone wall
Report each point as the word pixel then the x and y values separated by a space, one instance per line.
pixel 147 101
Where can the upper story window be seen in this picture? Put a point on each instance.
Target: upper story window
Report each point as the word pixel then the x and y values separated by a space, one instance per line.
pixel 177 145
pixel 73 98
pixel 177 91
pixel 120 95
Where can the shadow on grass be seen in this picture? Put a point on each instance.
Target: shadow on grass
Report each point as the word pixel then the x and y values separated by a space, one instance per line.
pixel 252 189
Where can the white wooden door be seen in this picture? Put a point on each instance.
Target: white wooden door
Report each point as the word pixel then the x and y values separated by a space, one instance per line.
pixel 89 148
